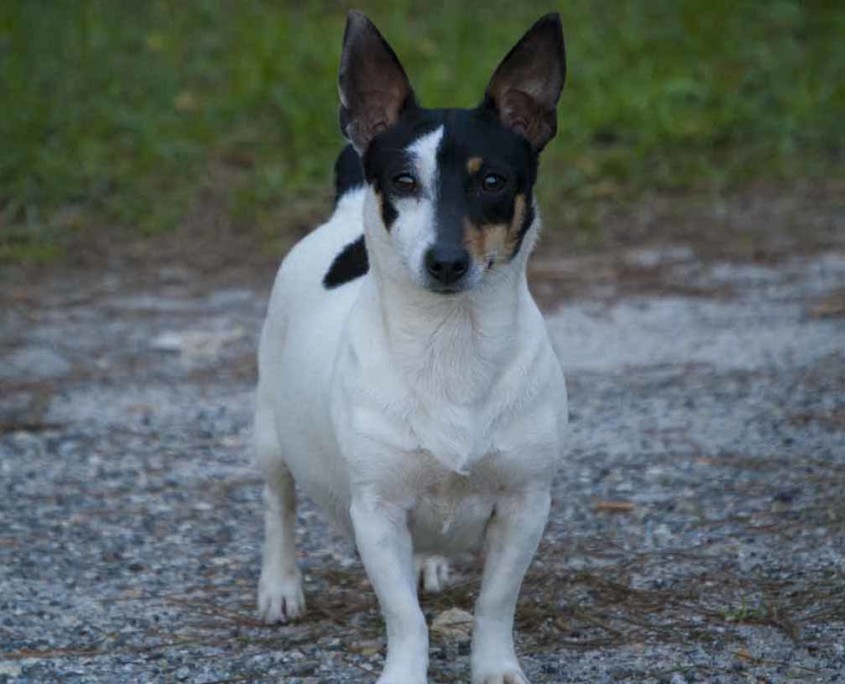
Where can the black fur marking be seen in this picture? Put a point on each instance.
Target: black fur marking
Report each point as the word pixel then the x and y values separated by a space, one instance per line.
pixel 386 156
pixel 461 197
pixel 506 131
pixel 388 212
pixel 467 133
pixel 351 263
pixel 348 172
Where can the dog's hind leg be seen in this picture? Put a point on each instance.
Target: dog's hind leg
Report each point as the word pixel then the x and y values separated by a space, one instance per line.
pixel 433 573
pixel 280 596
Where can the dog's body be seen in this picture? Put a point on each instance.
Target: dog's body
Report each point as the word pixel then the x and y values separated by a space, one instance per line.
pixel 407 382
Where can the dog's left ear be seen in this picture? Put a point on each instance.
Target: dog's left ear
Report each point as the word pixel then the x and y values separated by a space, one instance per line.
pixel 373 87
pixel 527 84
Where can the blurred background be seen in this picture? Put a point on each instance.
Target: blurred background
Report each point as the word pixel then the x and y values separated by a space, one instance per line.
pixel 157 157
pixel 218 118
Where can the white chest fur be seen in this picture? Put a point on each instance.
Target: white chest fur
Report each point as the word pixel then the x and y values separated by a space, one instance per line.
pixel 451 399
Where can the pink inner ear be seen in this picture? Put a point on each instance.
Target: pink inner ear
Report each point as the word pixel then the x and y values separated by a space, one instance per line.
pixel 517 109
pixel 375 111
pixel 526 116
pixel 518 125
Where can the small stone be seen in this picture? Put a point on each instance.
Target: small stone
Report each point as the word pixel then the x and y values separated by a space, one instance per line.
pixel 304 667
pixel 453 624
pixel 10 668
pixel 367 647
pixel 196 344
pixel 34 362
pixel 167 342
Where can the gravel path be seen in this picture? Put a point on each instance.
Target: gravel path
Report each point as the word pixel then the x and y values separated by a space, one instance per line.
pixel 698 530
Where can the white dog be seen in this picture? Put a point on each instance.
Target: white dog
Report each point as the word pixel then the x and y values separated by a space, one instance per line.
pixel 407 381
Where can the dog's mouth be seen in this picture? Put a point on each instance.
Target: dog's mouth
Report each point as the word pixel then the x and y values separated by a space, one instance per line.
pixel 450 289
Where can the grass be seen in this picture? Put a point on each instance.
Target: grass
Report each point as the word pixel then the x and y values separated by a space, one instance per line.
pixel 119 116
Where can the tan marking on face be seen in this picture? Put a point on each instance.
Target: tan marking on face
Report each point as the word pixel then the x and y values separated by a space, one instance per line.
pixel 485 243
pixel 491 243
pixel 516 223
pixel 474 164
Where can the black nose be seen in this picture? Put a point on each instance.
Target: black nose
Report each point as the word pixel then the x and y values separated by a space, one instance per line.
pixel 447 264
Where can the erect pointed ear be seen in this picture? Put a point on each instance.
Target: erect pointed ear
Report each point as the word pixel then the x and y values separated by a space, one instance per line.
pixel 527 84
pixel 373 87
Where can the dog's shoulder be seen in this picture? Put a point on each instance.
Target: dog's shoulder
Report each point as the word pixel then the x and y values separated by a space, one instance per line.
pixel 352 261
pixel 334 253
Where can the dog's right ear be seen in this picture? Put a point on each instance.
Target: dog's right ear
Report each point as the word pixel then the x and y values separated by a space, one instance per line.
pixel 527 84
pixel 373 87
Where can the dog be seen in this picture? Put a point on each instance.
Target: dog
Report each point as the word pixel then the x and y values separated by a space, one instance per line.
pixel 407 381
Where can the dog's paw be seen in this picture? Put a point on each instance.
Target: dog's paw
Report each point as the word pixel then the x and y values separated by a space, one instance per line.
pixel 432 573
pixel 509 677
pixel 398 675
pixel 280 599
pixel 497 668
pixel 403 679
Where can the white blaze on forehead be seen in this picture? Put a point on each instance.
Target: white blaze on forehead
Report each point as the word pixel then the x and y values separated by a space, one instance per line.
pixel 413 232
pixel 424 152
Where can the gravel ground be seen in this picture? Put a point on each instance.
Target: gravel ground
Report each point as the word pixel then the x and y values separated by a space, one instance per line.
pixel 697 534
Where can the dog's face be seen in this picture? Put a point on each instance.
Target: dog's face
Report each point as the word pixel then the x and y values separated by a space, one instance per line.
pixel 453 187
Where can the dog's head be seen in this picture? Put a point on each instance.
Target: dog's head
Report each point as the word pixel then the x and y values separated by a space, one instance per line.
pixel 453 188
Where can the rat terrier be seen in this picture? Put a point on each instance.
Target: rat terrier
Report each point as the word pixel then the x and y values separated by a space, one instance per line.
pixel 407 382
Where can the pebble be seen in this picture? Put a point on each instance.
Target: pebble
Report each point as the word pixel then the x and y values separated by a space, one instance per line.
pixel 33 363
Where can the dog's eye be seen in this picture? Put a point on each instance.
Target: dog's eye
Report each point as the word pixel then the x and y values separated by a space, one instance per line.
pixel 493 182
pixel 405 183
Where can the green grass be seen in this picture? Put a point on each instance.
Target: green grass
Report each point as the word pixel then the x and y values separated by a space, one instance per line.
pixel 125 116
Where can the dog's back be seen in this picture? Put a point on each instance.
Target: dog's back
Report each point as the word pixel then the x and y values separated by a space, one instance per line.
pixel 348 173
pixel 315 288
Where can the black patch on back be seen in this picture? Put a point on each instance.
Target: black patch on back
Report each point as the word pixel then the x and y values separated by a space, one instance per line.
pixel 351 263
pixel 348 172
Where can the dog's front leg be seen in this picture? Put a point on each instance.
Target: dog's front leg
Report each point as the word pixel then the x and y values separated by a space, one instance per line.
pixel 384 542
pixel 511 541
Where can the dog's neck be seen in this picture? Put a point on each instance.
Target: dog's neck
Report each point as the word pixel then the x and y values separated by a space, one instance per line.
pixel 452 346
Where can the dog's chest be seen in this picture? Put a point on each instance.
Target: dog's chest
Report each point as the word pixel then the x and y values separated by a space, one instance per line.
pixel 452 510
pixel 453 410
pixel 456 436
